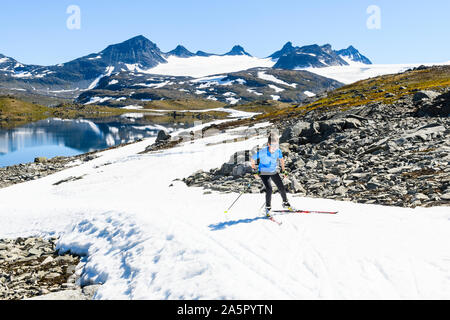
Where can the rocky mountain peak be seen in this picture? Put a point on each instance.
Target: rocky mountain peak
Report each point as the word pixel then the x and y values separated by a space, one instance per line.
pixel 137 50
pixel 353 54
pixel 237 51
pixel 181 51
pixel 287 48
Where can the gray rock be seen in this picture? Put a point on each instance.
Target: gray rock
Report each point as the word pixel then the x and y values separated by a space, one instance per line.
pixel 424 94
pixel 439 108
pixel 62 295
pixel 52 275
pixel 35 252
pixel 312 164
pixel 90 291
pixel 241 170
pixel 299 163
pixel 297 187
pixel 340 191
pixel 162 136
pixel 40 160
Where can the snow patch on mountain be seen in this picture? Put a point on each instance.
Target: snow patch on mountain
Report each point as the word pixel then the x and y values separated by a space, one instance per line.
pixel 254 92
pixel 277 89
pixel 275 97
pixel 98 100
pixel 205 66
pixel 271 78
pixel 109 70
pixel 359 71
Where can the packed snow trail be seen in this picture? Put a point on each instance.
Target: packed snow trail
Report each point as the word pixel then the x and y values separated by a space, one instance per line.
pixel 145 239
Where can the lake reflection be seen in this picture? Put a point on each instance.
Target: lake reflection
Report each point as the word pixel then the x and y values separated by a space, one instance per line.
pixel 55 137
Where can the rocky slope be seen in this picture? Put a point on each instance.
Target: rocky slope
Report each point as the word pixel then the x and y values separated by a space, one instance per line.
pixel 384 147
pixel 258 84
pixel 31 267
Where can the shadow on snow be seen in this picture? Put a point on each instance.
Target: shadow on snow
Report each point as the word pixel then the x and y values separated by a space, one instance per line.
pixel 226 224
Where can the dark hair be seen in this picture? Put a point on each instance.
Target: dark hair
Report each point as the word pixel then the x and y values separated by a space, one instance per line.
pixel 273 137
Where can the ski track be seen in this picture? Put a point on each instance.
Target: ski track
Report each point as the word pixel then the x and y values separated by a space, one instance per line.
pixel 145 240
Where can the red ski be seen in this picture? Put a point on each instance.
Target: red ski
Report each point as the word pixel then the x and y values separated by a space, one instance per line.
pixel 275 221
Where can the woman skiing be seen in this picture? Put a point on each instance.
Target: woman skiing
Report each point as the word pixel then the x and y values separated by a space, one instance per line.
pixel 267 169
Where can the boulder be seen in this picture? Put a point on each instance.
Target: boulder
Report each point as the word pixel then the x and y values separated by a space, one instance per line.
pixel 295 131
pixel 352 123
pixel 241 170
pixel 424 95
pixel 40 160
pixel 226 169
pixel 297 187
pixel 162 136
pixel 439 108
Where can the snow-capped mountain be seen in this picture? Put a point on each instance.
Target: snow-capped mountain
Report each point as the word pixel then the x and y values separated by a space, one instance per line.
pixel 287 49
pixel 256 84
pixel 139 55
pixel 352 55
pixel 138 50
pixel 204 54
pixel 70 78
pixel 7 64
pixel 308 56
pixel 181 52
pixel 315 56
pixel 15 69
pixel 237 51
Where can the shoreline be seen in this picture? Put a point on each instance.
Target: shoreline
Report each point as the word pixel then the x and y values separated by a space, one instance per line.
pixel 42 167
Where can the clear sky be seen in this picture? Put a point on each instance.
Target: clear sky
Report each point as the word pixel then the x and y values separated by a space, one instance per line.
pixel 35 32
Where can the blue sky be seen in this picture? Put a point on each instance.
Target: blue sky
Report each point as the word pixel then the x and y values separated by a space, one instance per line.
pixel 35 32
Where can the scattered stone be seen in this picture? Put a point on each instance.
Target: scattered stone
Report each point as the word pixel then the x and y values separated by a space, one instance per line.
pixel 378 153
pixel 31 268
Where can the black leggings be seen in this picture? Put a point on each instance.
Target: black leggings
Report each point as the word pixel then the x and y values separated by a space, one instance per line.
pixel 278 182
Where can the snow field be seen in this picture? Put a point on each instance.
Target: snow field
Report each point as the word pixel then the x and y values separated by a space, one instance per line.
pixel 145 239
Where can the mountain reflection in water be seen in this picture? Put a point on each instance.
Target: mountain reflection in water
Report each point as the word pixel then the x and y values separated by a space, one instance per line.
pixel 56 137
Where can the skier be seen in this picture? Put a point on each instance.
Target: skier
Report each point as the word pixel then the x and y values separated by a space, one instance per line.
pixel 267 169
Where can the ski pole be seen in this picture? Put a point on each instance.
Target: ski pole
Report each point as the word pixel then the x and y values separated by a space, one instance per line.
pixel 249 185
